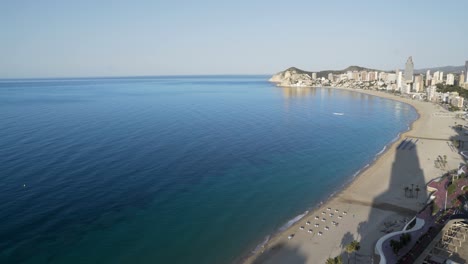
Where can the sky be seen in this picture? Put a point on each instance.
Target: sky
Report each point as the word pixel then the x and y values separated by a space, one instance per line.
pixel 131 38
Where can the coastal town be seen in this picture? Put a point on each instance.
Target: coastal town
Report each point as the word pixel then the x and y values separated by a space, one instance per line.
pixel 431 86
pixel 411 205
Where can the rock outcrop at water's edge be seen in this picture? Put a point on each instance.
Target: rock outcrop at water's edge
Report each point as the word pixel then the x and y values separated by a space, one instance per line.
pixel 292 77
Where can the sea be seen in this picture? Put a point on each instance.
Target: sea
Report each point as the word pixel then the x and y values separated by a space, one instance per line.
pixel 174 169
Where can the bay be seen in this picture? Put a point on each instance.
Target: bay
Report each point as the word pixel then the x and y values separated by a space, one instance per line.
pixel 173 169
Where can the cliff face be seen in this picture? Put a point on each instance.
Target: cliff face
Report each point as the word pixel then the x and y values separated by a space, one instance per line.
pixel 292 76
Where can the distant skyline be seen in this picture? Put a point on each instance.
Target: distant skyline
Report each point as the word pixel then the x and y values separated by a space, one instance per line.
pixel 123 38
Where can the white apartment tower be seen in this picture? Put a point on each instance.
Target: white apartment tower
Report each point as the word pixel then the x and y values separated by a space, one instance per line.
pixel 428 77
pixel 399 80
pixel 450 79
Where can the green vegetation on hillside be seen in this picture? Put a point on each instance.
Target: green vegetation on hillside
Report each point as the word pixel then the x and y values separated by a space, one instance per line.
pixel 294 69
pixel 325 73
pixel 452 88
pixel 350 68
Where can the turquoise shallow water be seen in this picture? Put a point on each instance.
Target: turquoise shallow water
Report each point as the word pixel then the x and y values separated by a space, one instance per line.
pixel 173 169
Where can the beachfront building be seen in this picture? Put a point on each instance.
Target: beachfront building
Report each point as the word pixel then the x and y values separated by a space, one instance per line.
pixel 340 77
pixel 383 76
pixel 314 75
pixel 456 101
pixel 330 77
pixel 431 93
pixel 390 78
pixel 406 88
pixel 450 79
pixel 399 80
pixel 364 76
pixel 418 83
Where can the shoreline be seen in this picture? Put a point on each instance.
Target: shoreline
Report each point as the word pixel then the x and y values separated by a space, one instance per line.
pixel 273 238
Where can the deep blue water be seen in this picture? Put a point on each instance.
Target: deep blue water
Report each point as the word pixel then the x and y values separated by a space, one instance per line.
pixel 173 169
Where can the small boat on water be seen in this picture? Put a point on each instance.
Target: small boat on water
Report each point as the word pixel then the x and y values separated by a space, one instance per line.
pixel 340 114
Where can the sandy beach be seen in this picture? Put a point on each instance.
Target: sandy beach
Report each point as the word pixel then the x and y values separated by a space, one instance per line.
pixel 375 203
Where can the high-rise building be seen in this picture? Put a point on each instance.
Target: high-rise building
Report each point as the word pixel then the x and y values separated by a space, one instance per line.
pixel 461 82
pixel 330 77
pixel 450 79
pixel 466 71
pixel 428 77
pixel 409 69
pixel 314 75
pixel 356 75
pixel 418 83
pixel 441 76
pixel 399 80
pixel 435 78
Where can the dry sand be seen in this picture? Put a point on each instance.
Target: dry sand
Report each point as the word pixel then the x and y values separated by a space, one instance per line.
pixel 375 201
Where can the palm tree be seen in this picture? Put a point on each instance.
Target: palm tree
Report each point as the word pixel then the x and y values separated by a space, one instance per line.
pixel 406 191
pixel 445 160
pixel 351 248
pixel 417 191
pixel 335 260
pixel 357 246
pixel 338 260
pixel 411 191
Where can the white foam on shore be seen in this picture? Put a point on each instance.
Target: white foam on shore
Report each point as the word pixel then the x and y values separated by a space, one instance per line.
pixel 396 138
pixel 293 221
pixel 382 151
pixel 359 171
pixel 356 174
pixel 261 245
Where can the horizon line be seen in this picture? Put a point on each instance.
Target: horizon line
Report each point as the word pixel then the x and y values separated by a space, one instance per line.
pixel 196 75
pixel 126 76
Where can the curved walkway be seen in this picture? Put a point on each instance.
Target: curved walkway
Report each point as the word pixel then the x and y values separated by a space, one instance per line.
pixel 379 246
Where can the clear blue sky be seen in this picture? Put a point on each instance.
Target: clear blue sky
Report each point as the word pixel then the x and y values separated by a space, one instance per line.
pixel 120 38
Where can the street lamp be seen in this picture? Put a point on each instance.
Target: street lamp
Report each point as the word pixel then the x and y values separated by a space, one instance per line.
pixel 446 192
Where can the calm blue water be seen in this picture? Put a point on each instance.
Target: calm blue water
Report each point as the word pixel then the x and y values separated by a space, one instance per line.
pixel 173 169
